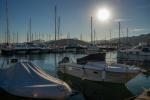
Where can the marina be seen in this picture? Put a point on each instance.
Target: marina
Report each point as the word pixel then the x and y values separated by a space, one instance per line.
pixel 89 89
pixel 75 50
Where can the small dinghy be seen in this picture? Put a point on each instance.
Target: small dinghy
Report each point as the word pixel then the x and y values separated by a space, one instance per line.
pixel 25 79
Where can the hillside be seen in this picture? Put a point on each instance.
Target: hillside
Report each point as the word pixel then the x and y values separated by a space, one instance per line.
pixel 64 42
pixel 134 40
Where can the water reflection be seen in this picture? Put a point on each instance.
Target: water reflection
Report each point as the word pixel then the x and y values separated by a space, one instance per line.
pixel 91 90
pixel 97 90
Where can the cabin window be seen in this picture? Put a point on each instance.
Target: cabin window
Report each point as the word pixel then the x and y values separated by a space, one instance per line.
pixel 145 50
pixel 130 52
pixel 14 60
pixel 95 72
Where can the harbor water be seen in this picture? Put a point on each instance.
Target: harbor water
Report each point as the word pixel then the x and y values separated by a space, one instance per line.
pixel 90 90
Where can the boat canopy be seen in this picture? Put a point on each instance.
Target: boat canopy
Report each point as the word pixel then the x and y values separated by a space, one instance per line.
pixel 25 79
pixel 91 58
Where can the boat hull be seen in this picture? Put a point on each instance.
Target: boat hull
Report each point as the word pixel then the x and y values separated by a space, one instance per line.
pixel 7 51
pixel 97 75
pixel 92 51
pixel 33 51
pixel 20 51
pixel 44 50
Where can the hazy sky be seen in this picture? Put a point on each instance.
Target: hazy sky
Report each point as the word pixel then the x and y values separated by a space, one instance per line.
pixel 75 17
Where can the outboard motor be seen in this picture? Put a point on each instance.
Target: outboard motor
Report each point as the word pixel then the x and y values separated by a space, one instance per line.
pixel 64 60
pixel 12 61
pixel 148 93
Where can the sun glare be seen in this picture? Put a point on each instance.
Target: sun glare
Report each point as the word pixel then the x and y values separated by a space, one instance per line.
pixel 103 14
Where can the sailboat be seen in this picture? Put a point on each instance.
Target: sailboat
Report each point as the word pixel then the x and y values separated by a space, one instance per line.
pixel 92 47
pixel 7 49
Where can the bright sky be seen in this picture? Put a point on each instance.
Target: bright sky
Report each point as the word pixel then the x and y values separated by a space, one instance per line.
pixel 75 17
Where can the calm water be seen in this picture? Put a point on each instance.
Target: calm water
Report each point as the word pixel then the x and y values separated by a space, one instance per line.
pixel 90 90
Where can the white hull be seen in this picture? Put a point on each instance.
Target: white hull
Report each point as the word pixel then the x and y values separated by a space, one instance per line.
pixel 141 56
pixel 95 74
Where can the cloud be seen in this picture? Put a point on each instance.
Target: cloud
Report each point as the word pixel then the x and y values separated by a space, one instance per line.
pixel 137 29
pixel 123 19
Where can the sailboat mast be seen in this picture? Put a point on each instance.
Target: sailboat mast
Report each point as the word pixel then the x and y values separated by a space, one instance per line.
pixel 30 29
pixel 94 36
pixel 58 27
pixel 7 25
pixel 17 38
pixel 119 36
pixel 110 38
pixel 127 36
pixel 55 22
pixel 91 29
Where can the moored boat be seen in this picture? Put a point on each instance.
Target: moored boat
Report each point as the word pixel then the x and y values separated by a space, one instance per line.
pixel 94 67
pixel 140 53
pixel 44 48
pixel 20 48
pixel 7 50
pixel 25 79
pixel 92 49
pixel 33 48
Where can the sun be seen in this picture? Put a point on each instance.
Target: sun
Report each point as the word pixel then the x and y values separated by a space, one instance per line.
pixel 103 14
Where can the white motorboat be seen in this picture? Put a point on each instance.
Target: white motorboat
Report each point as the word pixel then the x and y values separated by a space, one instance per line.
pixel 138 53
pixel 93 67
pixel 25 79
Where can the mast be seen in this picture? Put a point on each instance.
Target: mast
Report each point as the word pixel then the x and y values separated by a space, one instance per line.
pixel 49 37
pixel 58 27
pixel 119 36
pixel 91 29
pixel 39 36
pixel 55 22
pixel 27 37
pixel 17 38
pixel 81 36
pixel 94 36
pixel 127 36
pixel 30 29
pixel 7 25
pixel 13 37
pixel 110 39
